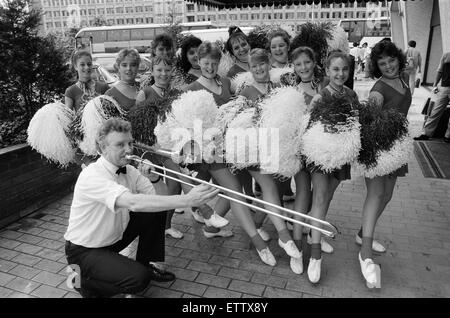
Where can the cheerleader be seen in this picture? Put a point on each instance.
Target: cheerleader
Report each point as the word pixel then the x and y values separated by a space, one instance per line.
pixel 125 91
pixel 324 184
pixel 237 45
pixel 389 92
pixel 259 66
pixel 279 42
pixel 279 45
pixel 310 81
pixel 162 46
pixel 188 70
pixel 78 94
pixel 209 56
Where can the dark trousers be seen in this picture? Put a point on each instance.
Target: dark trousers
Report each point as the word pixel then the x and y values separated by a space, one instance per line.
pixel 103 271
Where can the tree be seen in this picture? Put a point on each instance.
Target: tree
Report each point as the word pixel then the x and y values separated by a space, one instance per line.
pixel 33 69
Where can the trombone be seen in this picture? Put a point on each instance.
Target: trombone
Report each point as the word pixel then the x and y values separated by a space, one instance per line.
pixel 166 153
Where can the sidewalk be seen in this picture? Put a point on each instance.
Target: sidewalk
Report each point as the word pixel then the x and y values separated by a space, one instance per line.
pixel 415 228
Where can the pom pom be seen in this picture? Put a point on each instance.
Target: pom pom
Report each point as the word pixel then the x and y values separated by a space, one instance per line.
pixel 192 114
pixel 144 117
pixel 227 112
pixel 338 40
pixel 283 114
pixel 95 113
pixel 241 80
pixel 315 36
pixel 385 141
pixel 332 138
pixel 47 133
pixel 241 140
pixel 225 64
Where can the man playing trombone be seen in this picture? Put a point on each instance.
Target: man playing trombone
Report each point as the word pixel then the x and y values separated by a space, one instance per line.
pixel 113 203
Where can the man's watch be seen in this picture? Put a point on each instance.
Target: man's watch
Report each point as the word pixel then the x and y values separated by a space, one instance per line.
pixel 157 180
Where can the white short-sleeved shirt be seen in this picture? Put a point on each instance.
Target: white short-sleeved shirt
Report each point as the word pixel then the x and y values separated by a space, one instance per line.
pixel 94 221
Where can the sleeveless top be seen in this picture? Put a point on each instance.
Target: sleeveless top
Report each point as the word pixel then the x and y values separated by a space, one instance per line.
pixel 221 99
pixel 393 99
pixel 235 70
pixel 325 92
pixel 125 102
pixel 252 93
pixel 80 97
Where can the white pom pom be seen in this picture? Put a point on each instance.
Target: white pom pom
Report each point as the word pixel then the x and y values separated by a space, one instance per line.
pixel 283 115
pixel 241 140
pixel 225 64
pixel 388 160
pixel 93 117
pixel 339 40
pixel 332 150
pixel 227 112
pixel 242 80
pixel 47 133
pixel 276 73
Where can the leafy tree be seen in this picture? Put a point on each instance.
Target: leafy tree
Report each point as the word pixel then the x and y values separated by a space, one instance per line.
pixel 33 69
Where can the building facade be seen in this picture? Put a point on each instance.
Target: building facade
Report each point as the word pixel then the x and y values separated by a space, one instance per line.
pixel 428 23
pixel 62 14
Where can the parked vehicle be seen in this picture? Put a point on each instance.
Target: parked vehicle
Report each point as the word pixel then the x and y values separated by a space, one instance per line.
pixel 107 60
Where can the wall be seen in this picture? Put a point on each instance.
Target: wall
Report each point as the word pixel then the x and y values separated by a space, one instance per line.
pixel 444 8
pixel 29 182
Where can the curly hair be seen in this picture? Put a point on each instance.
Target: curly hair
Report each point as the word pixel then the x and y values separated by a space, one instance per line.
pixel 188 43
pixel 235 34
pixel 383 49
pixel 123 53
pixel 112 124
pixel 165 40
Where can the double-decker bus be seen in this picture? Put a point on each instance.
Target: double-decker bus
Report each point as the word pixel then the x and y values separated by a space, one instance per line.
pixel 366 30
pixel 111 39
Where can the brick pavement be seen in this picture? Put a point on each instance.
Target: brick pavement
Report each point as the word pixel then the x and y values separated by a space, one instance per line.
pixel 415 228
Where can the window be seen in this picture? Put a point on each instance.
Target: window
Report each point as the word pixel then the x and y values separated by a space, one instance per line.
pixel 348 15
pixel 267 16
pixel 138 9
pixel 190 19
pixel 222 17
pixel 129 9
pixel 49 25
pixel 148 8
pixel 101 11
pixel 190 7
pixel 57 24
pixel 110 10
pixel 325 5
pixel 120 21
pixel 244 16
pixel 255 16
pixel 200 18
pixel 148 20
pixel 56 14
pixel 361 4
pixel 201 8
pixel 301 15
pixel 110 21
pixel 130 20
pixel 324 15
pixel 119 9
pixel 290 15
pixel 91 11
pixel 348 5
pixel 211 18
pixel 233 17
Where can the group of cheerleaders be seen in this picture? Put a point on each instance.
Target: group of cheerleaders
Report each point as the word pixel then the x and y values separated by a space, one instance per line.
pixel 197 69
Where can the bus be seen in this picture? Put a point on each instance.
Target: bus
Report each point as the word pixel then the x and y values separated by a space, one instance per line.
pixel 366 30
pixel 214 34
pixel 111 39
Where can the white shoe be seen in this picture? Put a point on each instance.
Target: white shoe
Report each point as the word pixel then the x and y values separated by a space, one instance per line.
pixel 267 256
pixel 297 264
pixel 221 233
pixel 174 233
pixel 324 245
pixel 216 221
pixel 180 210
pixel 288 197
pixel 197 216
pixel 370 271
pixel 314 268
pixel 264 235
pixel 290 248
pixel 376 246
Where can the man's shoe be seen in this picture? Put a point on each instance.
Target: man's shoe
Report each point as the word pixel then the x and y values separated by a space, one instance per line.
pixel 376 246
pixel 324 245
pixel 267 256
pixel 314 269
pixel 297 264
pixel 447 140
pixel 264 235
pixel 160 275
pixel 174 233
pixel 216 221
pixel 197 216
pixel 221 233
pixel 290 248
pixel 422 137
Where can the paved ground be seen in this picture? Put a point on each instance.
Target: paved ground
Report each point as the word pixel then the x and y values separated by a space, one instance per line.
pixel 415 228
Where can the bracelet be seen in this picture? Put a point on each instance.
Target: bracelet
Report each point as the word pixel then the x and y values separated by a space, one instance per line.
pixel 157 180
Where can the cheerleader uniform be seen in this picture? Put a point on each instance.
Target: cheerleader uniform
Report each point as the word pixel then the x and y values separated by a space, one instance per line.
pixel 393 99
pixel 235 70
pixel 342 173
pixel 125 102
pixel 82 92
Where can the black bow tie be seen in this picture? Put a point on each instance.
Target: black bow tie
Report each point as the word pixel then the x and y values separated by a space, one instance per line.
pixel 121 170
